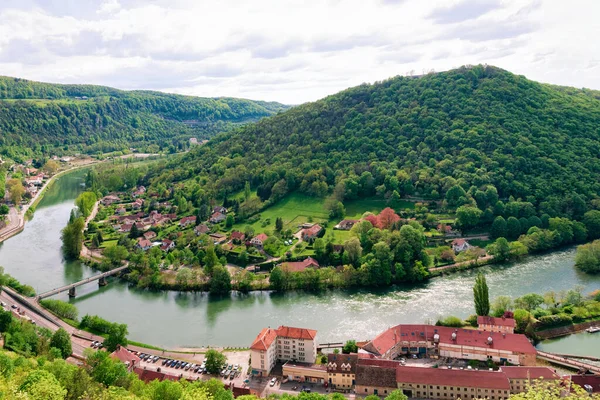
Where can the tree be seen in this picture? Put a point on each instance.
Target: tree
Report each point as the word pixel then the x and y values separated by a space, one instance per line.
pixel 15 191
pixel 513 228
pixel 62 341
pixel 42 385
pixel 134 233
pixel 50 167
pixel 210 260
pixel 278 224
pixel 116 254
pixel 498 227
pixel 117 335
pixel 467 217
pixel 4 209
pixel 5 320
pixel 72 238
pixel 350 347
pixel 591 220
pixel 276 279
pixel 500 249
pixel 214 361
pixel 456 196
pixel 229 221
pixel 529 301
pixel 247 191
pixel 587 258
pixel 352 250
pixel 183 277
pixel 85 202
pixel 220 281
pixel 481 296
pixel 500 305
pixel 319 248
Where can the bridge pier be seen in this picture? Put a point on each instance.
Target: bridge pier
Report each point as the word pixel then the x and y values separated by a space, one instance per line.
pixel 72 292
pixel 102 281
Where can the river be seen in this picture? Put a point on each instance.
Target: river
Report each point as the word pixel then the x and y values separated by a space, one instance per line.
pixel 172 319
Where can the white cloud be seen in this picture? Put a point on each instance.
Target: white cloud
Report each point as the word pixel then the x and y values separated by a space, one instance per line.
pixel 292 51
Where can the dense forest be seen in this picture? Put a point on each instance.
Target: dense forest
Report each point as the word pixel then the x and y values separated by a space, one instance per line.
pixel 41 118
pixel 473 127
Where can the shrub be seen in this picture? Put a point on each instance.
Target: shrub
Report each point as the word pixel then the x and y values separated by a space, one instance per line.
pixel 555 320
pixel 451 321
pixel 60 308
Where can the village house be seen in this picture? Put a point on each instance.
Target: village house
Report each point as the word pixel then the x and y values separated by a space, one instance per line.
pixel 218 238
pixel 186 221
pixel 35 180
pixel 125 228
pixel 110 199
pixel 493 324
pixel 149 235
pixel 143 244
pixel 282 344
pixel 305 372
pixel 299 266
pixel 120 211
pixel 201 229
pixel 137 204
pixel 219 209
pixel 139 192
pixel 341 370
pixel 346 224
pixel 237 237
pixel 217 217
pixel 310 234
pixel 459 245
pixel 167 245
pixel 441 341
pixel 259 240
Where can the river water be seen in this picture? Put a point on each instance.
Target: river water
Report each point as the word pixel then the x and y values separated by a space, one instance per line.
pixel 173 319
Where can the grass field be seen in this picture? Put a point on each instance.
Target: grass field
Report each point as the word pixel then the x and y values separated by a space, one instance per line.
pixel 295 209
pixel 109 243
pixel 339 237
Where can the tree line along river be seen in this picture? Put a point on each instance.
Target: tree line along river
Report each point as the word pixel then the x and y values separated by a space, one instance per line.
pixel 174 319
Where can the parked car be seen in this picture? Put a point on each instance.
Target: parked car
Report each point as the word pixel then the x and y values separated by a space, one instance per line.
pixel 3 304
pixel 236 367
pixel 273 382
pixel 231 377
pixel 223 372
pixel 156 358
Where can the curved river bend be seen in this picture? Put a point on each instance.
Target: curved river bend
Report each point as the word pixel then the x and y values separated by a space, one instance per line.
pixel 174 319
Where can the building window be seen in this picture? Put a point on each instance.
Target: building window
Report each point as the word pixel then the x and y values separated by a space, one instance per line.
pixel 365 390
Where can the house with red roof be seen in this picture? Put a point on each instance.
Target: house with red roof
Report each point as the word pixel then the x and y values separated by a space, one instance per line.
pixel 149 235
pixel 494 324
pixel 143 244
pixel 187 221
pixel 167 245
pixel 259 240
pixel 459 245
pixel 217 217
pixel 300 266
pixel 126 357
pixel 237 237
pixel 282 344
pixel 309 234
pixel 201 229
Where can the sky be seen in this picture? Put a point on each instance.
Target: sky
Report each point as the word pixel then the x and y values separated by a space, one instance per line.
pixel 292 51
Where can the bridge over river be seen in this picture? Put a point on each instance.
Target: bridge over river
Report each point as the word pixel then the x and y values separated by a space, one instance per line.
pixel 568 362
pixel 101 278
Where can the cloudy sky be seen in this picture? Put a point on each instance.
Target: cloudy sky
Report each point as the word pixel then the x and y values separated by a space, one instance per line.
pixel 292 51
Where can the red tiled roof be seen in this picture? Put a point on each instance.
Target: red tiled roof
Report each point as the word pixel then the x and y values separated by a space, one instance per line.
pixel 299 266
pixel 529 373
pixel 510 322
pixel 148 375
pixel 237 235
pixel 296 333
pixel 465 337
pixel 125 355
pixel 144 243
pixel 453 377
pixel 591 380
pixel 312 231
pixel 261 236
pixel 264 339
pixel 458 242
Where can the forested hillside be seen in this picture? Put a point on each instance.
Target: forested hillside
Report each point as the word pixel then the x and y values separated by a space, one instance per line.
pixel 42 118
pixel 473 126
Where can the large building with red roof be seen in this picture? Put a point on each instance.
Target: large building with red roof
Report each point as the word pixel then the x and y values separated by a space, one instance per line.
pixel 441 341
pixel 493 324
pixel 282 344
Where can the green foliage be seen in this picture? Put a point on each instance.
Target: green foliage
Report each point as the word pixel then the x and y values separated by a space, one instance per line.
pixel 220 280
pixel 481 295
pixel 60 308
pixel 112 119
pixel 117 336
pixel 62 341
pixel 95 323
pixel 42 385
pixel 85 202
pixel 72 238
pixel 214 361
pixel 587 258
pixel 350 347
pixel 452 321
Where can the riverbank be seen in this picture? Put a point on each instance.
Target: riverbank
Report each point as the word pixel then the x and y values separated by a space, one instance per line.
pixel 566 330
pixel 17 218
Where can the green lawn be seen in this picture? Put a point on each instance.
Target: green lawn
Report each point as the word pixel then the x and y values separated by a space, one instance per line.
pixel 108 243
pixel 339 237
pixel 356 208
pixel 295 209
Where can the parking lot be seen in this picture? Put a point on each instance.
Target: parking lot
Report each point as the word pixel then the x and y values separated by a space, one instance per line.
pixel 195 369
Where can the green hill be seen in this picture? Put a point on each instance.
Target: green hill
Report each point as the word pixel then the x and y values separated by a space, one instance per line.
pixel 473 126
pixel 43 118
